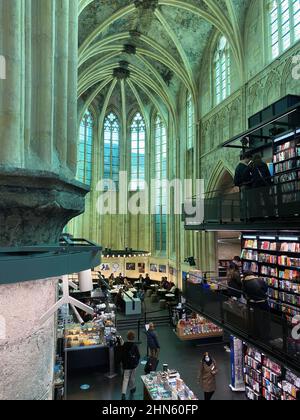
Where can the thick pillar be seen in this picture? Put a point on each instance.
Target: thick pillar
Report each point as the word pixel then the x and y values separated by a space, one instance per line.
pixel 26 348
pixel 61 81
pixel 10 89
pixel 38 193
pixel 72 86
pixel 43 15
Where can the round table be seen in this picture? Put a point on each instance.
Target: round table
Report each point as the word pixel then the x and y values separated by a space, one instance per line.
pixel 114 291
pixel 170 296
pixel 162 292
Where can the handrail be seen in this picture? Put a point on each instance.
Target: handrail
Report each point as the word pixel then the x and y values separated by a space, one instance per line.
pixel 260 327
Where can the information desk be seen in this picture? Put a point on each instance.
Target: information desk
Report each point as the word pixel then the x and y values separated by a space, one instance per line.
pixel 96 357
pixel 133 306
pixel 166 386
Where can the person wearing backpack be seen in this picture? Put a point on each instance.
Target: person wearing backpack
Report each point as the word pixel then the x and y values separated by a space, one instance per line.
pixel 130 361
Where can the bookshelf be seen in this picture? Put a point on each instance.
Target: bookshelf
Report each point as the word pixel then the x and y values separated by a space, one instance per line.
pixel 267 380
pixel 276 258
pixel 286 159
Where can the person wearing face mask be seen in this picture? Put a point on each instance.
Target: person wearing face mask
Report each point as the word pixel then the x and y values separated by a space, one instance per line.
pixel 208 373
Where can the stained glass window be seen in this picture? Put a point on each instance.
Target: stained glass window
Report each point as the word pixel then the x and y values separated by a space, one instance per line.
pixel 161 172
pixel 138 147
pixel 85 148
pixel 284 25
pixel 222 70
pixel 112 148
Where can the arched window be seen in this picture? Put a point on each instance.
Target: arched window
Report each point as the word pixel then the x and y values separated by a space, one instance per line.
pixel 284 25
pixel 222 64
pixel 85 148
pixel 138 139
pixel 112 148
pixel 190 111
pixel 161 172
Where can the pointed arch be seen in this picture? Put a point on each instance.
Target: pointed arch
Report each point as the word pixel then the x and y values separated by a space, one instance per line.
pixel 220 171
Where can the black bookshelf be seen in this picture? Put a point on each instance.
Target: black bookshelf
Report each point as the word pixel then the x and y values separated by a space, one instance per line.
pixel 276 258
pixel 267 380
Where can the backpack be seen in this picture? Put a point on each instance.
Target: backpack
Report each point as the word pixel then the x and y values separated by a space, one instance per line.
pixel 133 358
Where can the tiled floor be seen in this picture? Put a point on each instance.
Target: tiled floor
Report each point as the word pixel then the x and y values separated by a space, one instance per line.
pixel 183 356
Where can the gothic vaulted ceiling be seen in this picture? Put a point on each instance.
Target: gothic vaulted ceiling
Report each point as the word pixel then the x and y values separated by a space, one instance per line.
pixel 142 52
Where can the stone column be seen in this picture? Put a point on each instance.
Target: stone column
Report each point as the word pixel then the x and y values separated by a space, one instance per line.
pixel 26 348
pixel 61 80
pixel 10 89
pixel 43 15
pixel 38 194
pixel 72 86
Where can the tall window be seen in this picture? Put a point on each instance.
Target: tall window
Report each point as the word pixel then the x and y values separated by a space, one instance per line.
pixel 190 122
pixel 161 192
pixel 112 148
pixel 284 24
pixel 85 146
pixel 222 70
pixel 138 138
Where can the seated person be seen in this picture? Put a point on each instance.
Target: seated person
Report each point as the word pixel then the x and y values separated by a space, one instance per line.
pixel 173 288
pixel 166 284
pixel 127 283
pixel 147 283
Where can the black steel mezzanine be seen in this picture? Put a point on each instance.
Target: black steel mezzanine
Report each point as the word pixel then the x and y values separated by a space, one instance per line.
pixel 20 264
pixel 268 332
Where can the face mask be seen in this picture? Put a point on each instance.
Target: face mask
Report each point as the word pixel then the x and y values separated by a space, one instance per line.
pixel 207 359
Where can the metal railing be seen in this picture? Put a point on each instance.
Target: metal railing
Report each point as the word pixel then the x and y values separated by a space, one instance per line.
pixel 250 204
pixel 268 331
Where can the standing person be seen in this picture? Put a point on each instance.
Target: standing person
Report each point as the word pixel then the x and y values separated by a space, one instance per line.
pixel 262 182
pixel 256 292
pixel 208 373
pixel 152 341
pixel 130 360
pixel 243 180
pixel 234 282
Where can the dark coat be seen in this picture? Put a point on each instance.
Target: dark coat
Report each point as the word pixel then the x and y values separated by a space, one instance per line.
pixel 235 283
pixel 261 175
pixel 152 340
pixel 208 377
pixel 255 288
pixel 243 176
pixel 130 356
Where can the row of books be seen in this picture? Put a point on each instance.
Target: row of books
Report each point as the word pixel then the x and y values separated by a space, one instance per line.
pixel 285 146
pixel 288 261
pixel 284 155
pixel 288 177
pixel 287 166
pixel 267 380
pixel 289 275
pixel 284 297
pixel 283 285
pixel 293 247
pixel 289 311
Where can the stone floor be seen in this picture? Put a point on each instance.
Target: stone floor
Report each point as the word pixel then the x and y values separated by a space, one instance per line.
pixel 183 356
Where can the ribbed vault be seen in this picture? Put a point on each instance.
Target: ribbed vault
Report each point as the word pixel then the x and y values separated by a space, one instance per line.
pixel 149 49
